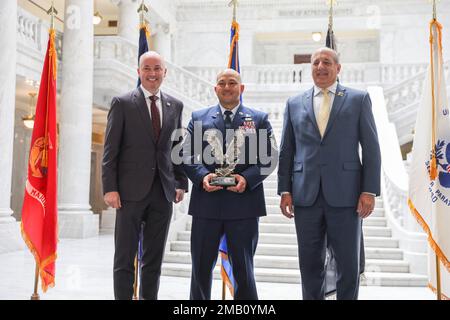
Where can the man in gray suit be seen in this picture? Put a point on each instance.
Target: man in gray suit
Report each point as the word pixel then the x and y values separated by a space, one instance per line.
pixel 139 179
pixel 322 181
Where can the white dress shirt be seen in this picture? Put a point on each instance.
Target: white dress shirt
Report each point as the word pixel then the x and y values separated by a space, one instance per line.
pixel 147 96
pixel 233 111
pixel 318 97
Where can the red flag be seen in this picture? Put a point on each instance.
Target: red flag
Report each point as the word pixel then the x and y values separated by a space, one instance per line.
pixel 39 211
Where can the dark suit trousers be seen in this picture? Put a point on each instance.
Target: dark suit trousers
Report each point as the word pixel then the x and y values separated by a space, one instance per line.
pixel 342 226
pixel 242 238
pixel 155 211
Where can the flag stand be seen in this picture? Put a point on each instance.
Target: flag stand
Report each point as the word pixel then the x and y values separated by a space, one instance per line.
pixel 438 267
pixel 35 295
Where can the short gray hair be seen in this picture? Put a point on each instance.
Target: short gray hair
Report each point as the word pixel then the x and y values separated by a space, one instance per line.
pixel 334 54
pixel 151 54
pixel 232 71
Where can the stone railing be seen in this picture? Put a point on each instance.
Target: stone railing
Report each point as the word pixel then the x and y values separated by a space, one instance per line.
pixel 395 72
pixel 394 189
pixel 367 73
pixel 193 89
pixel 32 39
pixel 402 102
pixel 31 31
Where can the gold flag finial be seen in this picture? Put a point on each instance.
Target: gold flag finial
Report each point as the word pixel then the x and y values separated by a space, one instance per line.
pixel 234 3
pixel 142 10
pixel 52 12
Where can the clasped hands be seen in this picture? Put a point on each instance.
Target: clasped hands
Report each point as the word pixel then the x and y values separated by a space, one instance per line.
pixel 239 188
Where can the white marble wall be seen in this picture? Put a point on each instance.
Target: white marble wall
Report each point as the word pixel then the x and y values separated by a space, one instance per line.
pixel 400 29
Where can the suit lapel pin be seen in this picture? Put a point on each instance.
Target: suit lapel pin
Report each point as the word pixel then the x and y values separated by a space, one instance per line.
pixel 340 94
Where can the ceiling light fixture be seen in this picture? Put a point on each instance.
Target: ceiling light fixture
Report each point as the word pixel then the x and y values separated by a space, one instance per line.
pixel 316 36
pixel 28 120
pixel 97 18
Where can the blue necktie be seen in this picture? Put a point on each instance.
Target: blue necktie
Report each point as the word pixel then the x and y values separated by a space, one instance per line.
pixel 227 114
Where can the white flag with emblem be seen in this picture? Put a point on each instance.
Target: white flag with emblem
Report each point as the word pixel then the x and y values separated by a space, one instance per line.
pixel 429 183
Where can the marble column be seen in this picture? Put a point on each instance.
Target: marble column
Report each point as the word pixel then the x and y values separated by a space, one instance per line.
pixel 163 41
pixel 76 219
pixel 129 19
pixel 10 238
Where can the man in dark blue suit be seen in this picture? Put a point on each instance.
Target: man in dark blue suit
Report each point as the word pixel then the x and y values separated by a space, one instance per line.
pixel 233 211
pixel 320 173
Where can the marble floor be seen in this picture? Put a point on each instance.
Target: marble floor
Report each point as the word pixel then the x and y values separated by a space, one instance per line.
pixel 84 271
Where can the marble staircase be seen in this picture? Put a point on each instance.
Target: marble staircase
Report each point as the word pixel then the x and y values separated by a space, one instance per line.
pixel 276 258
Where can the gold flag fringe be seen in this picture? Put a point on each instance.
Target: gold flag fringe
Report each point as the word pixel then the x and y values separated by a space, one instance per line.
pixel 146 28
pixel 431 241
pixel 443 296
pixel 41 264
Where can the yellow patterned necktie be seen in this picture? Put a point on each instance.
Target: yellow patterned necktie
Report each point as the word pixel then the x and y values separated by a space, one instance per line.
pixel 324 112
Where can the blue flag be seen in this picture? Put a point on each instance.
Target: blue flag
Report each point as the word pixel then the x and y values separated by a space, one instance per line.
pixel 226 269
pixel 143 45
pixel 233 63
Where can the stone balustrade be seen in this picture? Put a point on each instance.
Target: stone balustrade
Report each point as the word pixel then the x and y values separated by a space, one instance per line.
pixel 178 79
pixel 367 73
pixel 403 99
pixel 33 33
pixel 394 188
pixel 31 30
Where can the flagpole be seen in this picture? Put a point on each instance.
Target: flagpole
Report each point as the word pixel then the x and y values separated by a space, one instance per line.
pixel 434 9
pixel 135 284
pixel 141 10
pixel 224 291
pixel 330 15
pixel 233 3
pixel 35 295
pixel 438 263
pixel 44 162
pixel 438 278
pixel 52 11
